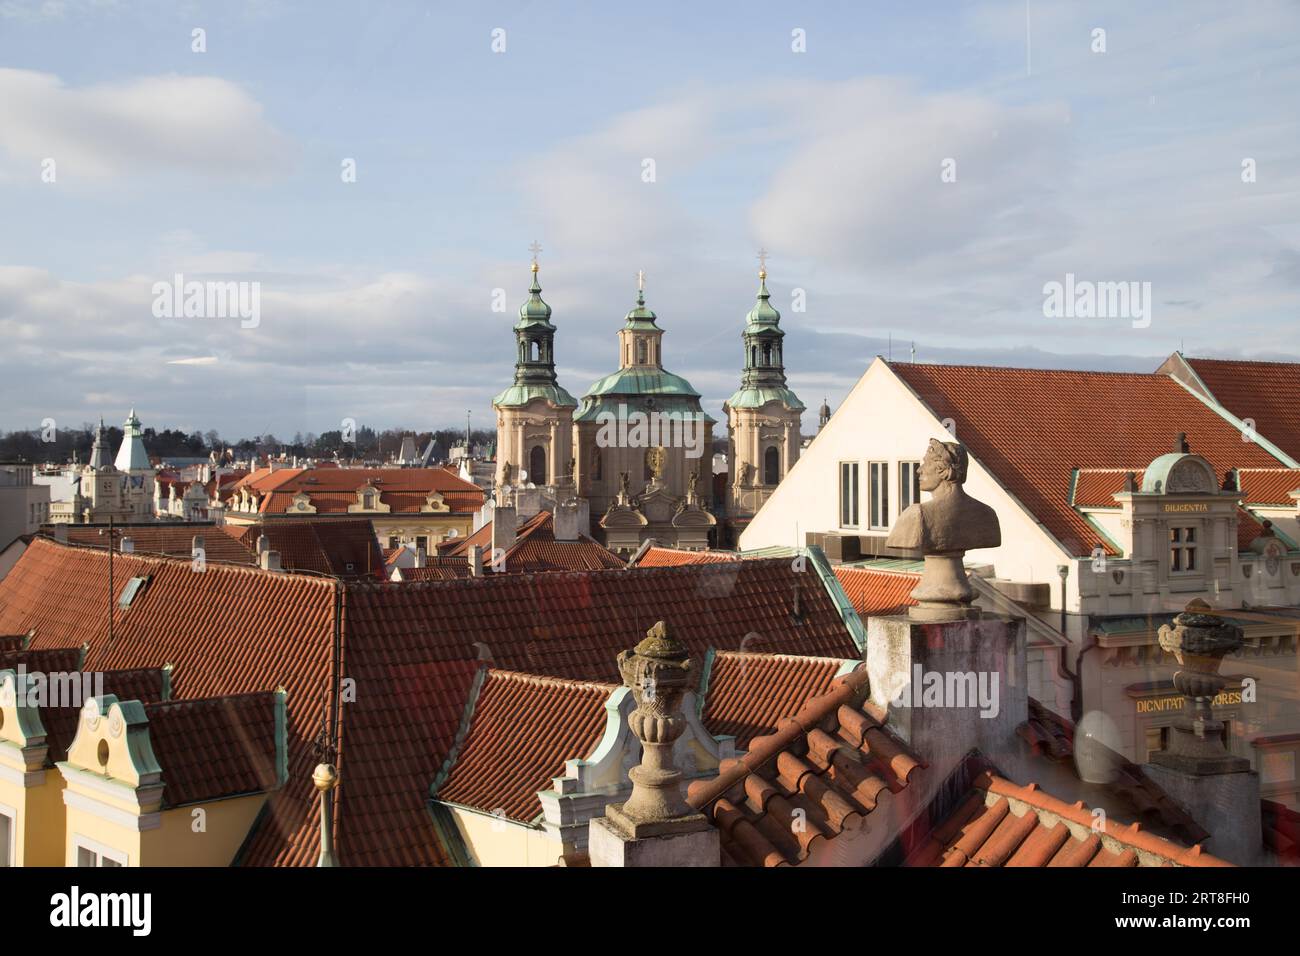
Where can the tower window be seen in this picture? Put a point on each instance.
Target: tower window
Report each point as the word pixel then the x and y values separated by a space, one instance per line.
pixel 771 466
pixel 536 351
pixel 595 465
pixel 767 354
pixel 537 465
pixel 641 352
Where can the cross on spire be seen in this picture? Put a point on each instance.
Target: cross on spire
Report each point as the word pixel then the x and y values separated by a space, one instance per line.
pixel 640 280
pixel 535 247
pixel 762 262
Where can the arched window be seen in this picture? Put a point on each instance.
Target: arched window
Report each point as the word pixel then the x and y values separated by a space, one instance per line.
pixel 767 353
pixel 536 350
pixel 640 352
pixel 771 466
pixel 753 355
pixel 537 465
pixel 595 465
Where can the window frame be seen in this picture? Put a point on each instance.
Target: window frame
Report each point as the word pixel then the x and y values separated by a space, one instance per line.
pixel 850 502
pixel 1183 545
pixel 9 851
pixel 878 480
pixel 912 485
pixel 100 851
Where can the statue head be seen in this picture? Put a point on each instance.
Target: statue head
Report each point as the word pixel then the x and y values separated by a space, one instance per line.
pixel 944 461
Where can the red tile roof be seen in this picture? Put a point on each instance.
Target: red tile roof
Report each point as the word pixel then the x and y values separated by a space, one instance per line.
pixel 1261 391
pixel 748 695
pixel 673 557
pixel 535 549
pixel 877 593
pixel 228 630
pixel 340 547
pixel 1096 487
pixel 216 747
pixel 411 649
pixel 438 569
pixel 522 731
pixel 833 760
pixel 1269 486
pixel 1032 428
pixel 1002 824
pixel 573 624
pixel 333 490
pixel 175 539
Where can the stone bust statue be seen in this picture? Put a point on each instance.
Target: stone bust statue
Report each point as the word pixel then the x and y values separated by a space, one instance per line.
pixel 943 529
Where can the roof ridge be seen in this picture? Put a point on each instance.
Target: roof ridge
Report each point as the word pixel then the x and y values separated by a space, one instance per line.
pixel 777 655
pixel 1242 361
pixel 1132 835
pixel 898 366
pixel 547 680
pixel 763 749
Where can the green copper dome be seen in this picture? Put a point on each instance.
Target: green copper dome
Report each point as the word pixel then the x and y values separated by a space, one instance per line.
pixel 517 395
pixel 762 315
pixel 763 378
pixel 534 312
pixel 641 317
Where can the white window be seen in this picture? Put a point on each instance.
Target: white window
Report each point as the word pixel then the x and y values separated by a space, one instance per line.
pixel 1182 549
pixel 92 854
pixel 909 484
pixel 8 829
pixel 878 475
pixel 848 494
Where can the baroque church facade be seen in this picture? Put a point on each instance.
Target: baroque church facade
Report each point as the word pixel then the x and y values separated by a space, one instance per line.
pixel 120 489
pixel 637 448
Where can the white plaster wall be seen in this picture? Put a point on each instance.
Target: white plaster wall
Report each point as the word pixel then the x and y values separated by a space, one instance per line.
pixel 882 420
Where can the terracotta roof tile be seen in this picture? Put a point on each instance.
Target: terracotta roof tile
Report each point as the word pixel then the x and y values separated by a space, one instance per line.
pixel 1261 391
pixel 170 539
pixel 877 593
pixel 216 747
pixel 1032 428
pixel 747 695
pixel 535 548
pixel 333 490
pixel 1269 486
pixel 438 569
pixel 1003 824
pixel 830 766
pixel 341 547
pixel 1096 487
pixel 673 557
pixel 522 731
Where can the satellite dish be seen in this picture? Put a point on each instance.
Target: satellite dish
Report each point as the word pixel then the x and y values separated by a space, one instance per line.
pixel 453 533
pixel 523 475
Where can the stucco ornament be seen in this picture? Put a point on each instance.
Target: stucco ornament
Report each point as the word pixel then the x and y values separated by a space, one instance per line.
pixel 943 529
pixel 659 672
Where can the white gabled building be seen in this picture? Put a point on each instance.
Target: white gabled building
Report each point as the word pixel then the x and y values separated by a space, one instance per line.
pixel 1121 498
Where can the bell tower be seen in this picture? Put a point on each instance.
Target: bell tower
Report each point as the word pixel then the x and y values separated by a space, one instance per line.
pixel 534 415
pixel 763 415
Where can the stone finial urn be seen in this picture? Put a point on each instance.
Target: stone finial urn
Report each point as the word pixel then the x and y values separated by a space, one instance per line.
pixel 659 672
pixel 1199 640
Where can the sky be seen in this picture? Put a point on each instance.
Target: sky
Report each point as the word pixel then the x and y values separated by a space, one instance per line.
pixel 917 173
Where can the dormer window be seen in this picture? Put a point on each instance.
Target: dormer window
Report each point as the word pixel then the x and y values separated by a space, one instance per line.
pixel 1182 549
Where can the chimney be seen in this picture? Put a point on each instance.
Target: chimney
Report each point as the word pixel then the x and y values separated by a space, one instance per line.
pixel 566 520
pixel 421 558
pixel 128 545
pixel 269 561
pixel 61 533
pixel 263 545
pixel 505 527
pixel 528 501
pixel 1182 445
pixel 196 544
pixel 476 562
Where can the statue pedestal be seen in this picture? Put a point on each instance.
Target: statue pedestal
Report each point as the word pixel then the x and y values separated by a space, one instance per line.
pixel 1226 804
pixel 616 840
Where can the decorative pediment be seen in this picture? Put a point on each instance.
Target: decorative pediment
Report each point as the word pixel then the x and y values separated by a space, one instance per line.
pixel 369 499
pixel 434 502
pixel 624 517
pixel 112 741
pixel 301 504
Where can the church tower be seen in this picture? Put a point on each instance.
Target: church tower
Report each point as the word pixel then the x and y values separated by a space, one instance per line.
pixel 763 416
pixel 534 415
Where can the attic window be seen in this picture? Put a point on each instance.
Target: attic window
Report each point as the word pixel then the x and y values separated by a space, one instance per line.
pixel 132 589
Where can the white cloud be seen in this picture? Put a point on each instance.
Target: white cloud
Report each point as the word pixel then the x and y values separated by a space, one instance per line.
pixel 202 125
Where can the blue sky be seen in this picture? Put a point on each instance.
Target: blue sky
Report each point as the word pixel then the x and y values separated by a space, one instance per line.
pixel 1123 165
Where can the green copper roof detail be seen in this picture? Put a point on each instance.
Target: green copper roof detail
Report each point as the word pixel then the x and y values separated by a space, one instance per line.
pixel 641 317
pixel 757 397
pixel 762 315
pixel 518 395
pixel 638 387
pixel 534 312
